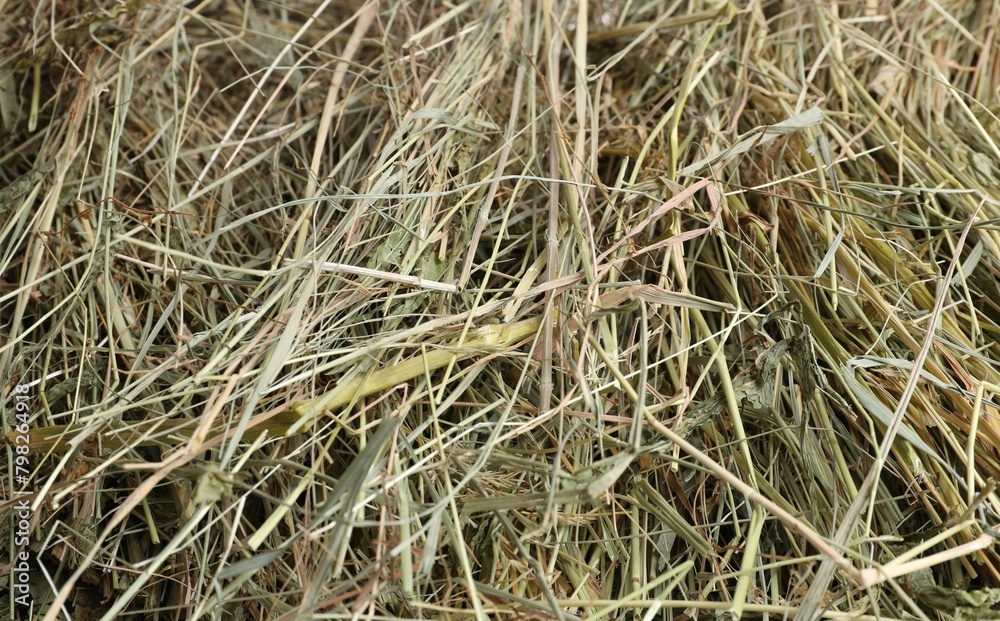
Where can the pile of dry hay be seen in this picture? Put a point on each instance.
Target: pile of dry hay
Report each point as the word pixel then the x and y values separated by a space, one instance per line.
pixel 513 309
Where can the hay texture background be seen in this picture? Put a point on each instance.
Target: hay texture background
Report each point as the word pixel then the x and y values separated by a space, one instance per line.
pixel 487 309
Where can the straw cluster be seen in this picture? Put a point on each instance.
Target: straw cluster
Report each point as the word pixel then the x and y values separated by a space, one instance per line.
pixel 489 309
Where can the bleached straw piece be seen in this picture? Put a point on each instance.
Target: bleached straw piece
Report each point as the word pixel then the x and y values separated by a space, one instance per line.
pixel 415 281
